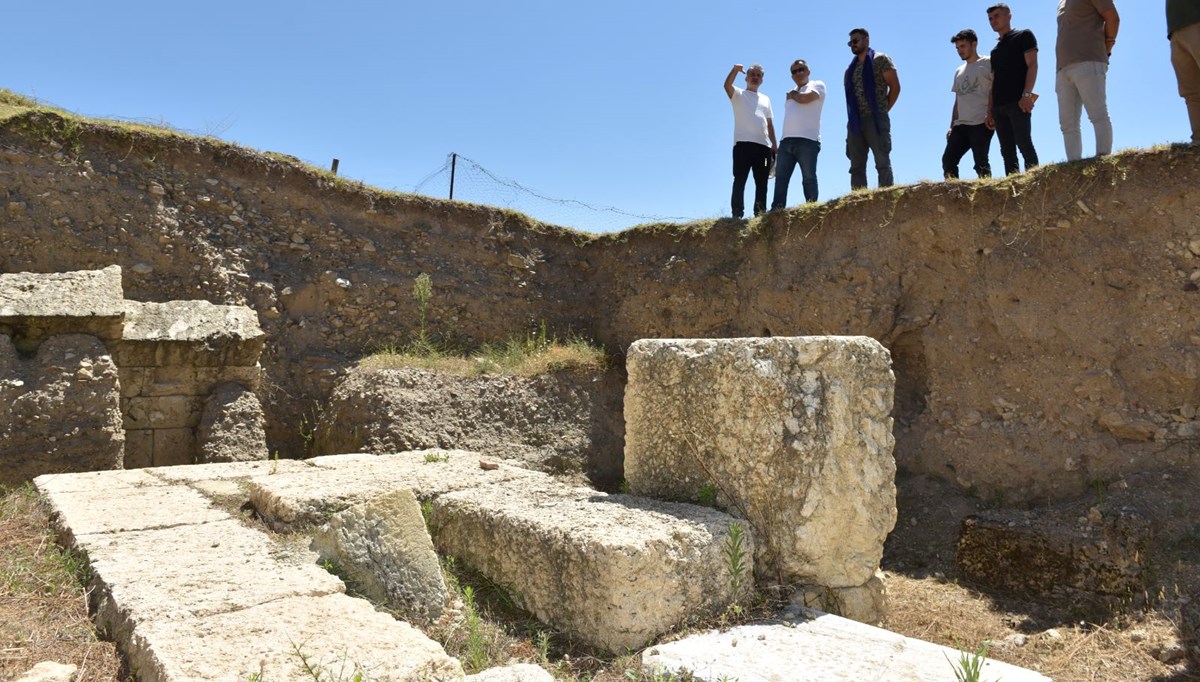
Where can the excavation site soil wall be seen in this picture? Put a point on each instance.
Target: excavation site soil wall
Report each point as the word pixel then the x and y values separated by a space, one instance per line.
pixel 1044 330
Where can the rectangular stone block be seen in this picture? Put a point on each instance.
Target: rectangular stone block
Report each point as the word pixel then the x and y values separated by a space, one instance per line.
pixel 196 333
pixel 41 305
pixel 139 448
pixel 131 378
pixel 134 353
pixel 816 646
pixel 176 353
pixel 174 446
pixel 190 570
pixel 615 571
pixel 294 501
pixel 208 378
pixel 163 412
pixel 794 434
pixel 331 637
pixel 173 380
pixel 1096 551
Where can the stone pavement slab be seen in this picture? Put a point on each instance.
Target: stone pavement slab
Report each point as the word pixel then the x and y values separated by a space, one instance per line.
pixel 334 636
pixel 190 593
pixel 304 499
pixel 823 648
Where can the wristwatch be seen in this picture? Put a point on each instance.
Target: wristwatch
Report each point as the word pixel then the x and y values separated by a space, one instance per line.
pixel 1026 95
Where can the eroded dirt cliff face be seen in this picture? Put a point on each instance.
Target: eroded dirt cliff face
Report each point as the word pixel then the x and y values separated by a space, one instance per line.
pixel 1045 331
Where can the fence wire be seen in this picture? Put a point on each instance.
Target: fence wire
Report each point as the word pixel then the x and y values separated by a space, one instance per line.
pixel 477 184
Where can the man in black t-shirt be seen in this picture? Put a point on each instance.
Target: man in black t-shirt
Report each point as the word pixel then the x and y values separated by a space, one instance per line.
pixel 1014 69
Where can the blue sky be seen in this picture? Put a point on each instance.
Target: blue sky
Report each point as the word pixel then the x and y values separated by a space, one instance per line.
pixel 617 103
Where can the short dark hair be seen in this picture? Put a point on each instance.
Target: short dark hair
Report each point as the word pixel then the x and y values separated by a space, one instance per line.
pixel 999 5
pixel 965 34
pixel 860 30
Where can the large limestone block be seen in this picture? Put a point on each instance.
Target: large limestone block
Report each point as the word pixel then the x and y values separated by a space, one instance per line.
pixel 232 426
pixel 614 570
pixel 304 499
pixel 819 648
pixel 865 604
pixel 330 637
pixel 1047 551
pixel 191 571
pixel 384 548
pixel 107 509
pixel 36 306
pixel 60 410
pixel 196 333
pixel 795 434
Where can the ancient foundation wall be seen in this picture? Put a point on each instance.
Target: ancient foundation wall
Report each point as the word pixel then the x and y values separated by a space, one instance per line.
pixel 92 381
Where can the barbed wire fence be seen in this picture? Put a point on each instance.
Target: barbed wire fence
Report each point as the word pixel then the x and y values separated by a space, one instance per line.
pixel 463 179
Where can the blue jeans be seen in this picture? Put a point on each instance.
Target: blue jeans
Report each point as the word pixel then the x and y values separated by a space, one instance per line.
pixel 793 151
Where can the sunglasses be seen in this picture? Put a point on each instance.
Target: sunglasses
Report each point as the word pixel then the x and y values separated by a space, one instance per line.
pixel 854 41
pixel 800 70
pixel 753 74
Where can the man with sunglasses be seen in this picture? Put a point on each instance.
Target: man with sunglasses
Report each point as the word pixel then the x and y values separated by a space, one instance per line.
pixel 753 137
pixel 872 88
pixel 801 135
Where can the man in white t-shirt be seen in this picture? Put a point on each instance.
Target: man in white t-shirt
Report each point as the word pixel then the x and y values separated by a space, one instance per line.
pixel 972 100
pixel 753 138
pixel 801 135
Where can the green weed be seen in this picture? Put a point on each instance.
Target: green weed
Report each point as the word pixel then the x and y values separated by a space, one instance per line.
pixel 707 495
pixel 970 666
pixel 735 559
pixel 422 292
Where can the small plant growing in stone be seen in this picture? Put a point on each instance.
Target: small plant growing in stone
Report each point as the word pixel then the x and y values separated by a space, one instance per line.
pixel 543 647
pixel 427 511
pixel 707 495
pixel 970 666
pixel 432 457
pixel 477 650
pixel 735 559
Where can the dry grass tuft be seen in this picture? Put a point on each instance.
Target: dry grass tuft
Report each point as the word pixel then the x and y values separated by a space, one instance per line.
pixel 43 605
pixel 1032 635
pixel 529 356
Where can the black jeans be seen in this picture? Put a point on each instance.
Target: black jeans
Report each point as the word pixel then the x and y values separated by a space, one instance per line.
pixel 750 156
pixel 1015 130
pixel 962 137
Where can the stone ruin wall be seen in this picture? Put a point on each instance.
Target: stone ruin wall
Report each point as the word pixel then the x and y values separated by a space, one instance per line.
pixel 89 380
pixel 1045 331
